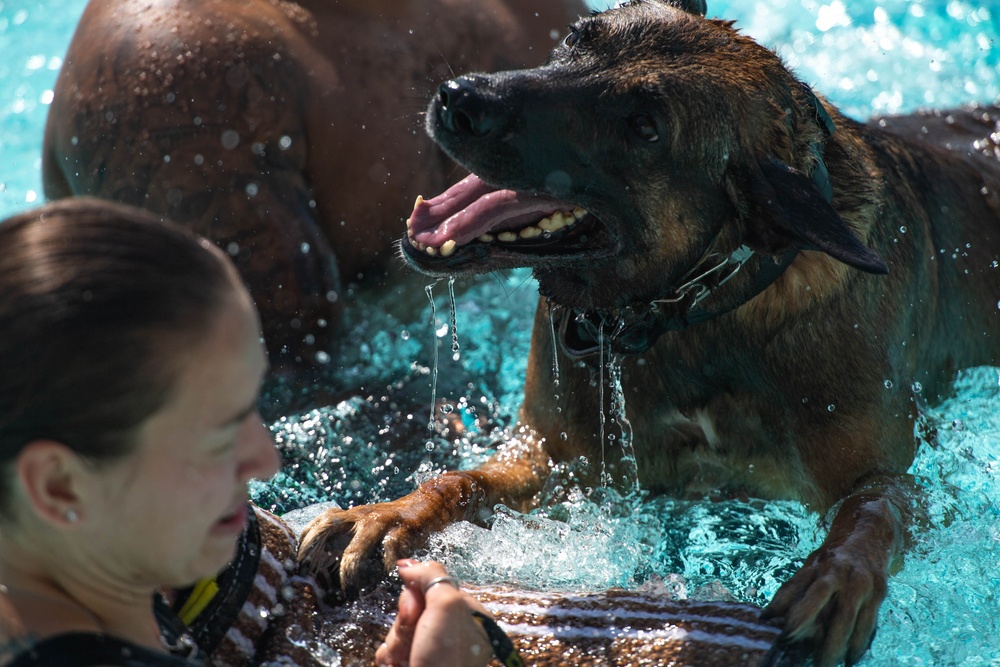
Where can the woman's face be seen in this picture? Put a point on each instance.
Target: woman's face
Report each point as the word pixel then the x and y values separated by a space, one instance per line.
pixel 170 512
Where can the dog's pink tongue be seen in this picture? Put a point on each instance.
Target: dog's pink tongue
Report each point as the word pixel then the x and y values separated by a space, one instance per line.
pixel 471 208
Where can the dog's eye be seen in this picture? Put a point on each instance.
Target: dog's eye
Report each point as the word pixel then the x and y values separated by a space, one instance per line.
pixel 572 38
pixel 644 126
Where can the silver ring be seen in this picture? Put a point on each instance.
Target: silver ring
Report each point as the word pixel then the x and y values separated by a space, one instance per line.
pixel 441 580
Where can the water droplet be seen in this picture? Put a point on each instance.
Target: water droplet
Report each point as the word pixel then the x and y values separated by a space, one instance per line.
pixel 917 387
pixel 404 334
pixel 564 436
pixel 322 357
pixel 888 384
pixel 252 189
pixel 430 446
pixel 285 142
pixel 831 407
pixel 902 230
pixel 447 409
pixel 230 139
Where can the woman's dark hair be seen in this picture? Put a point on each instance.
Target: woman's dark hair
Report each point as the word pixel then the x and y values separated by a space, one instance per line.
pixel 95 297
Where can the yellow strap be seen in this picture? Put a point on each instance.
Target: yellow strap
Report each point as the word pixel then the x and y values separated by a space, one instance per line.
pixel 201 595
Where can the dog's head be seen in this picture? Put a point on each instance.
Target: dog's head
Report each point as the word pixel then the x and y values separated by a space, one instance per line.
pixel 652 138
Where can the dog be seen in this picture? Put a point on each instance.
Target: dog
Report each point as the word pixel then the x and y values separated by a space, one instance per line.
pixel 286 132
pixel 779 286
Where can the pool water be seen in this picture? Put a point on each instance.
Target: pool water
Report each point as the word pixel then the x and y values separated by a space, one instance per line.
pixel 942 609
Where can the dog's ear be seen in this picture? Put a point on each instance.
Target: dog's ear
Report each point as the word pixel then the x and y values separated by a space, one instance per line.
pixel 696 7
pixel 787 210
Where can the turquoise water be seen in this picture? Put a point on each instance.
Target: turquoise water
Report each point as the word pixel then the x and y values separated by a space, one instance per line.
pixel 868 58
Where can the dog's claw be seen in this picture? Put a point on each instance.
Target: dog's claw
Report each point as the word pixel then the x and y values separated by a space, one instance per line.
pixel 828 608
pixel 353 549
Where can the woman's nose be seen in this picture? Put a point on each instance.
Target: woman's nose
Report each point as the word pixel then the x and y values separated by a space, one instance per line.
pixel 261 458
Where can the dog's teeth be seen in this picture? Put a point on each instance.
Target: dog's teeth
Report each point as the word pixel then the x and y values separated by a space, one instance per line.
pixel 530 232
pixel 578 213
pixel 507 236
pixel 448 247
pixel 552 223
pixel 418 201
pixel 431 250
pixel 486 238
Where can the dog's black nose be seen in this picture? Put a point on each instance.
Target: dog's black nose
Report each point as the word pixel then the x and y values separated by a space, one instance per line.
pixel 462 108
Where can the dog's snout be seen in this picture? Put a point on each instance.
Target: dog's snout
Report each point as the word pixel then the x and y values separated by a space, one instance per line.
pixel 462 108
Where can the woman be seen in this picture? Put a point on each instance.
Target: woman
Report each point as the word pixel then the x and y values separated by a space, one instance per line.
pixel 130 365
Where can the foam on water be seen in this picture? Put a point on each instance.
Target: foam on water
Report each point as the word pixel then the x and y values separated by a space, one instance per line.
pixel 942 608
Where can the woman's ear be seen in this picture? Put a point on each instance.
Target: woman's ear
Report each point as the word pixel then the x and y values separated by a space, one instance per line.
pixel 50 474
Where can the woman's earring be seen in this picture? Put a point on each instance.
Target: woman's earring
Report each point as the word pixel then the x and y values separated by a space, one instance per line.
pixel 72 516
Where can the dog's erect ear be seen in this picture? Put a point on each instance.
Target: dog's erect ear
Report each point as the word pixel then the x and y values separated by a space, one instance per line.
pixel 691 6
pixel 696 7
pixel 787 210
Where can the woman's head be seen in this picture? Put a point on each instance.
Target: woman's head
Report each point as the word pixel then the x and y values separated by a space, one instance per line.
pixel 98 303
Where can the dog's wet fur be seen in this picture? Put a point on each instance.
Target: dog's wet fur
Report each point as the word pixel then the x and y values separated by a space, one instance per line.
pixel 862 274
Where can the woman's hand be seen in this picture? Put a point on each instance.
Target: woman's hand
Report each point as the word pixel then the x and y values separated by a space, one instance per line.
pixel 434 626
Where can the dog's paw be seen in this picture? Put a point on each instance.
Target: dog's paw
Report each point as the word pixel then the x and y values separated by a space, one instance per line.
pixel 829 607
pixel 354 549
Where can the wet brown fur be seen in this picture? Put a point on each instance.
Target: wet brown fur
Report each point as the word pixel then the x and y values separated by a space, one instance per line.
pixel 326 100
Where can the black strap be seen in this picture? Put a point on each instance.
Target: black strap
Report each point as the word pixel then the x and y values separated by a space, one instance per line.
pixel 503 647
pixel 582 331
pixel 87 649
pixel 235 583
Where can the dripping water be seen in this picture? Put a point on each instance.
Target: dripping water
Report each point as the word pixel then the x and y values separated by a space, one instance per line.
pixel 454 320
pixel 629 466
pixel 429 291
pixel 555 346
pixel 605 478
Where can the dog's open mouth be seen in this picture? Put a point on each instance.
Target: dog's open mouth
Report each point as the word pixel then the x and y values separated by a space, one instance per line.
pixel 472 222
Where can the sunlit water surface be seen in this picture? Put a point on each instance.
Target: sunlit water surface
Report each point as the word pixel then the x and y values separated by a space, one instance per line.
pixel 942 609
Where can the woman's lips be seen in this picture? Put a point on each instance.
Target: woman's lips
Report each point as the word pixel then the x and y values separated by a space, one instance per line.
pixel 235 521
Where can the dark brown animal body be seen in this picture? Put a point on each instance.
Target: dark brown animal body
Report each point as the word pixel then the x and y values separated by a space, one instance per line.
pixel 780 284
pixel 612 629
pixel 287 132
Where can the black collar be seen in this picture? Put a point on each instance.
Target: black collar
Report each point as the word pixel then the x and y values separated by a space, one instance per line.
pixel 634 329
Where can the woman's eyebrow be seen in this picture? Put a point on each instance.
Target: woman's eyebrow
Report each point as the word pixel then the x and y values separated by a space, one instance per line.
pixel 241 415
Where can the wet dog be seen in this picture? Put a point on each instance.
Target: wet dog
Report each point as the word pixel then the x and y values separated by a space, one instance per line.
pixel 778 285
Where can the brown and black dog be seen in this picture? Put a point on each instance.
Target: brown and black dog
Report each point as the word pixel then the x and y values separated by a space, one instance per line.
pixel 776 279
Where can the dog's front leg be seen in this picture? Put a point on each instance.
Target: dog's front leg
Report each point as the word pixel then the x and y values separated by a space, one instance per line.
pixel 832 602
pixel 356 547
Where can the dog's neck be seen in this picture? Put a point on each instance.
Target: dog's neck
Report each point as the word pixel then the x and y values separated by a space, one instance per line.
pixel 634 329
